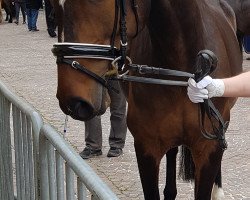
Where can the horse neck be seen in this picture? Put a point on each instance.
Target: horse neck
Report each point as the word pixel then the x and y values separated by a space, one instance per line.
pixel 175 28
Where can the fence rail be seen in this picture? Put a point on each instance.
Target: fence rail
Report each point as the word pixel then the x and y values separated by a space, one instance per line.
pixel 35 160
pixel 58 155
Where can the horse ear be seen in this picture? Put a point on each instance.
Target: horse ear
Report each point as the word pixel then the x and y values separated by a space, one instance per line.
pixel 205 64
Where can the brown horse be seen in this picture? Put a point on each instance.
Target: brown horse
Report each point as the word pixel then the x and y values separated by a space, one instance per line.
pixel 167 33
pixel 242 13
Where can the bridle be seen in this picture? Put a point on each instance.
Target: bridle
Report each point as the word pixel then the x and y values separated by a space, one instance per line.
pixel 67 53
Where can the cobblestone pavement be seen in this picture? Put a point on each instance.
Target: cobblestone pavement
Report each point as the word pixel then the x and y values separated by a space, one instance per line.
pixel 28 68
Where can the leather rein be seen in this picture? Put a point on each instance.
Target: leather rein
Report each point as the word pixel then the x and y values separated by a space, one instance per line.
pixel 67 52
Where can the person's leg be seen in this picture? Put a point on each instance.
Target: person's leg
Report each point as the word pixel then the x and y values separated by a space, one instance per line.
pixel 29 18
pixel 1 16
pixel 17 7
pixel 118 121
pixel 34 19
pixel 23 9
pixel 50 18
pixel 93 133
pixel 93 138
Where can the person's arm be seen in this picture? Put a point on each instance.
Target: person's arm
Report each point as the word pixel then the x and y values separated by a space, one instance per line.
pixel 237 86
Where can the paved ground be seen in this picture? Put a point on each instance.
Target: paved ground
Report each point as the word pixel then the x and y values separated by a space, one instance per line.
pixel 28 68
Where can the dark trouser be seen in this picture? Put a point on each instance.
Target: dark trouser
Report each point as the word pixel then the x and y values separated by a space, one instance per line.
pixel 19 5
pixel 50 16
pixel 32 15
pixel 118 130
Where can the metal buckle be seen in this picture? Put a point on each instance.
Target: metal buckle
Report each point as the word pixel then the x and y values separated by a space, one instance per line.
pixel 140 68
pixel 123 44
pixel 115 62
pixel 74 63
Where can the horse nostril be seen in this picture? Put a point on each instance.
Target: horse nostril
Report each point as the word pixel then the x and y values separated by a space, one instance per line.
pixel 81 110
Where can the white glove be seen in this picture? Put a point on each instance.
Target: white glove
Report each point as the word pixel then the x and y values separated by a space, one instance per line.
pixel 204 89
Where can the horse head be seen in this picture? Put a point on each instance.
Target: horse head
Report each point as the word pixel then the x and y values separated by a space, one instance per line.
pixel 93 22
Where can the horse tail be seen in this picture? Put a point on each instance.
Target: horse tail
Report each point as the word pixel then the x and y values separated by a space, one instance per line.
pixel 186 167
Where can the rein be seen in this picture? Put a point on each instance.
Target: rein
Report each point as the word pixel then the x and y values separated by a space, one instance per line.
pixel 206 63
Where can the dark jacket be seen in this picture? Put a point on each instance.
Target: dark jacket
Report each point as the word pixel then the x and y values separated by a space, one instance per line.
pixel 34 4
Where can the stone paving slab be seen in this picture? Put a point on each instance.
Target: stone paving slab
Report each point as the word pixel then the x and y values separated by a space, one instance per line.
pixel 28 67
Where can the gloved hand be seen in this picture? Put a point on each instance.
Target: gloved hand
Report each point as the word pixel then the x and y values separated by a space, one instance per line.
pixel 204 89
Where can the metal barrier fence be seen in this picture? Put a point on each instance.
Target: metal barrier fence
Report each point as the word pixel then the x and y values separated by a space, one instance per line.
pixel 18 153
pixel 59 157
pixel 23 138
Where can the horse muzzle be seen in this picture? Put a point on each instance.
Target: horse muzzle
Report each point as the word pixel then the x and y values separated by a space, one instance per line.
pixel 80 109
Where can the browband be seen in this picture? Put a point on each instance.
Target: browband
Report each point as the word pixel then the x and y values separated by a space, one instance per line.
pixel 81 50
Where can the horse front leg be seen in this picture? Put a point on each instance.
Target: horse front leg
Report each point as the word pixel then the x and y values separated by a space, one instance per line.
pixel 170 190
pixel 207 168
pixel 148 166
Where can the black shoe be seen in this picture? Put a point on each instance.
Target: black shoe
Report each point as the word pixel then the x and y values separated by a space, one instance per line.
pixel 52 33
pixel 114 152
pixel 16 22
pixel 34 30
pixel 89 153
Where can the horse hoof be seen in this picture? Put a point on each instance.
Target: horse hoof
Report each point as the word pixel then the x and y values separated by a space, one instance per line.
pixel 217 193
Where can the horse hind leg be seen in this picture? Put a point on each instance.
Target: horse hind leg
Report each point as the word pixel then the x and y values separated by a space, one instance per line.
pixel 170 190
pixel 217 192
